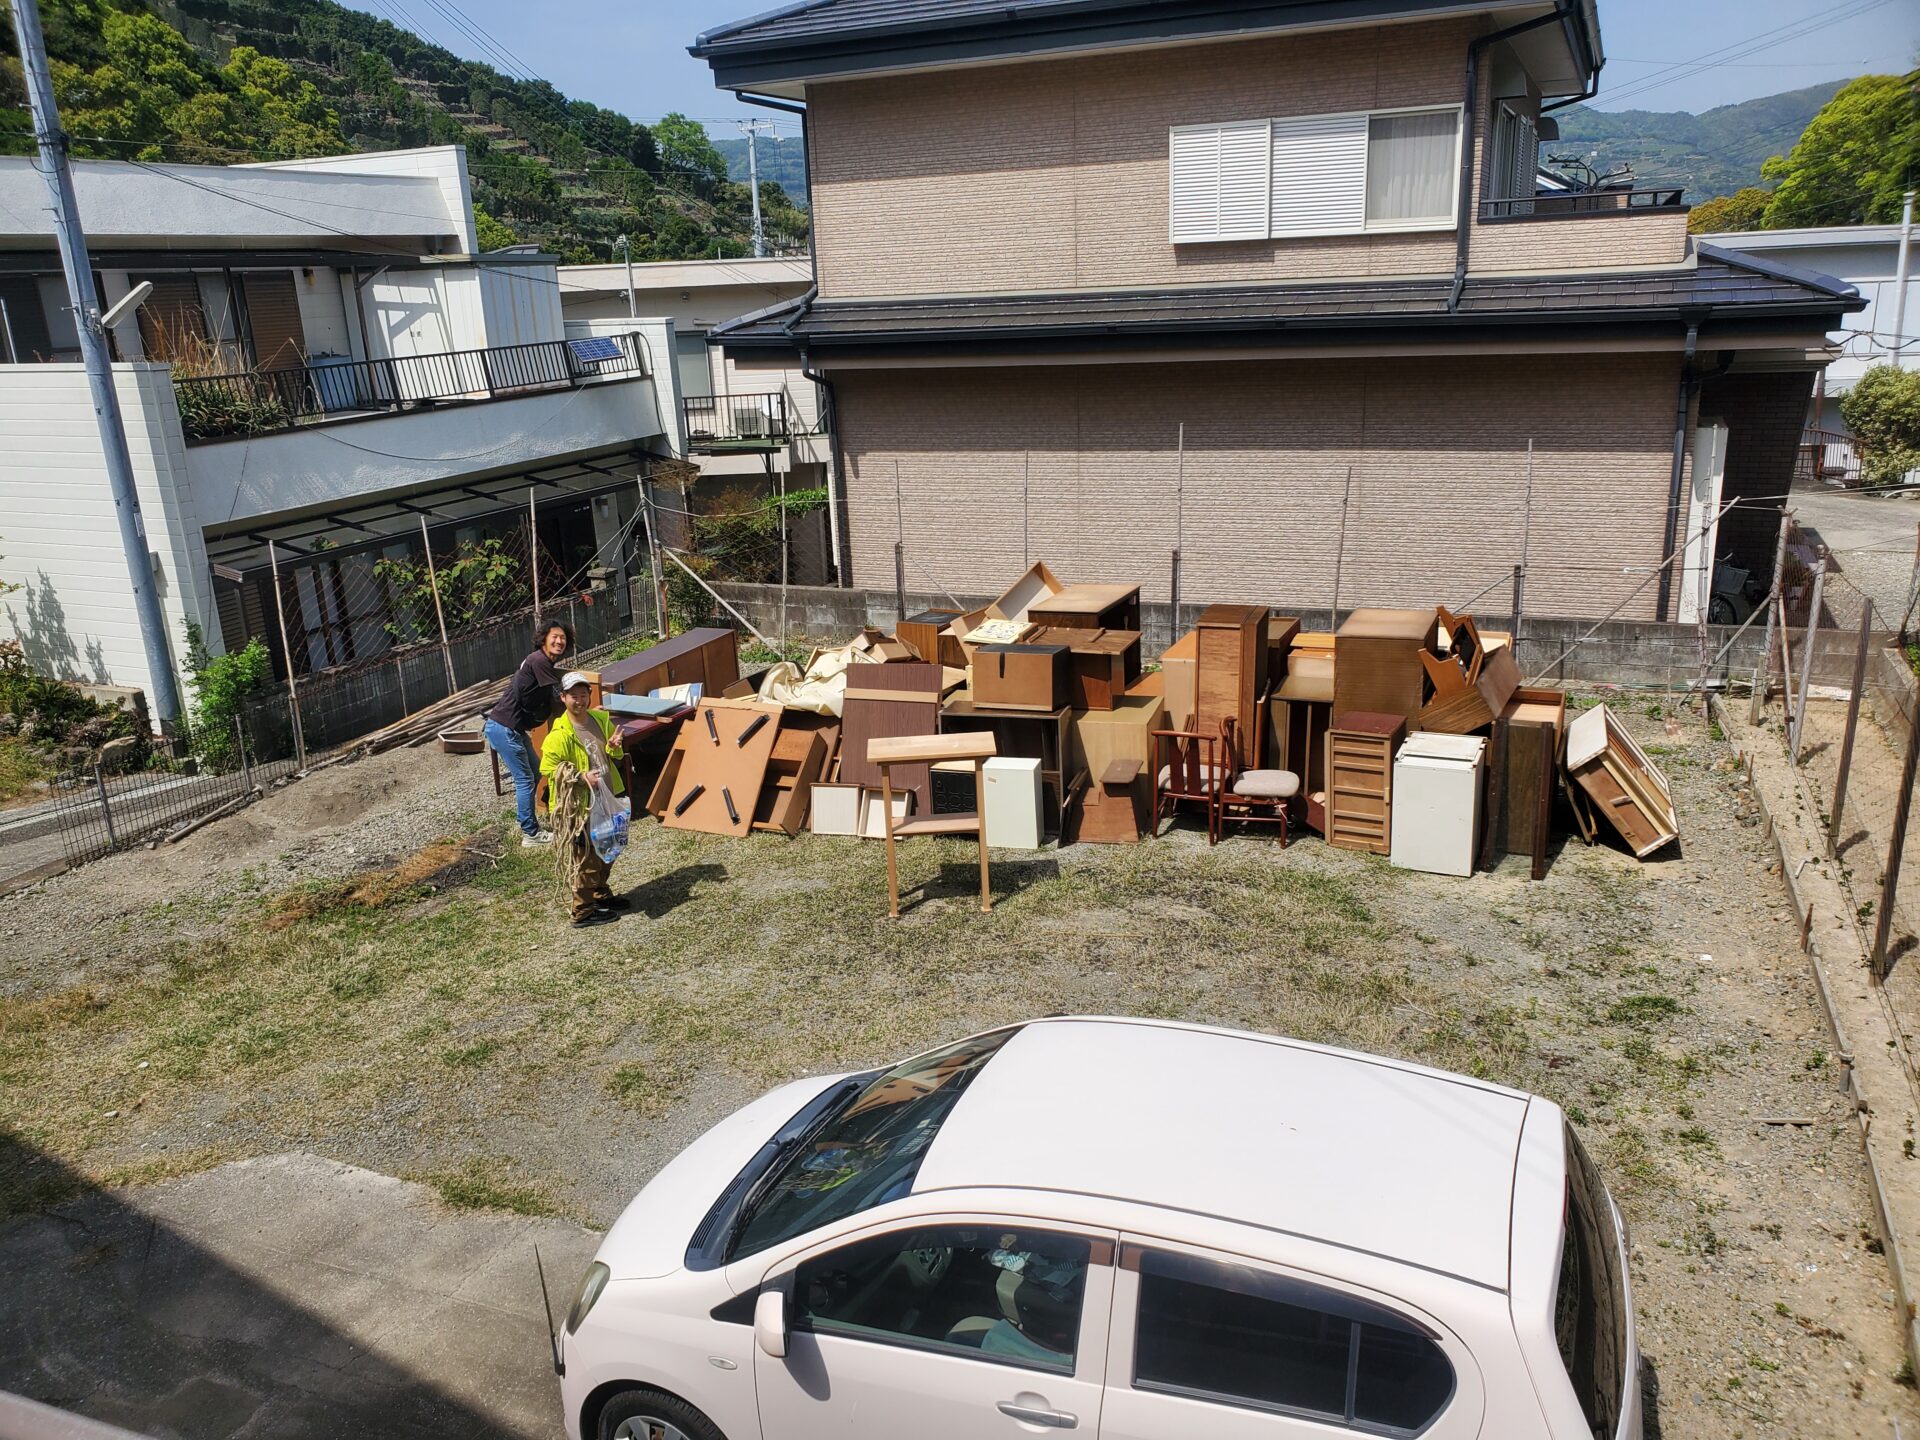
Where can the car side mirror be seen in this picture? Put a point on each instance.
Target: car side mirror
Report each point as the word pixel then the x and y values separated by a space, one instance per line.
pixel 770 1323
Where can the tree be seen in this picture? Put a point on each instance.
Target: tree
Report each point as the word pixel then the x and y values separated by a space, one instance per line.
pixel 1743 210
pixel 1883 411
pixel 685 146
pixel 493 235
pixel 1853 162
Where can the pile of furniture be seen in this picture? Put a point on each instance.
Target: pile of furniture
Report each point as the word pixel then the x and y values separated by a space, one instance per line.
pixel 1404 733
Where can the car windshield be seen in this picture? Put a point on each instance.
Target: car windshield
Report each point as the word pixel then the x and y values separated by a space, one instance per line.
pixel 866 1152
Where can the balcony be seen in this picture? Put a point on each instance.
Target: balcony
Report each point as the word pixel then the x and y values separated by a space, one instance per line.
pixel 1579 204
pixel 218 407
pixel 735 424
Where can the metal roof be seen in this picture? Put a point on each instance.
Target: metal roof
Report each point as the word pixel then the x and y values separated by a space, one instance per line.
pixel 816 38
pixel 1723 284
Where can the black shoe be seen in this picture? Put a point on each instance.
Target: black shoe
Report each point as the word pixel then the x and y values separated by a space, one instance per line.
pixel 593 917
pixel 619 904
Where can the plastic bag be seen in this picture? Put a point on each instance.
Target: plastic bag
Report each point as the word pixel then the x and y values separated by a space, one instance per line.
pixel 609 815
pixel 607 821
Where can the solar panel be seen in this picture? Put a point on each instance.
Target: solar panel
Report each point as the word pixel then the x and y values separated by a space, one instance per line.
pixel 595 348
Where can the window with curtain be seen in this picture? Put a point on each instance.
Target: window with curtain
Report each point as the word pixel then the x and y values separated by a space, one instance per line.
pixel 1300 175
pixel 1411 167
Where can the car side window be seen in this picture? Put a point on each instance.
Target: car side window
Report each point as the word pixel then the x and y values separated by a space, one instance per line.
pixel 1008 1296
pixel 1240 1336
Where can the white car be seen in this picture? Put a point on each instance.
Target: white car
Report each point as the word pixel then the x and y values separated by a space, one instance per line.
pixel 1128 1229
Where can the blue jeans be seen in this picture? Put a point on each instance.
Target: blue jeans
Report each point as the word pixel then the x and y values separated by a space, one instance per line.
pixel 516 753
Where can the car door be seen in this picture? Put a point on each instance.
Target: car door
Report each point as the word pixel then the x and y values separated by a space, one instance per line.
pixel 949 1329
pixel 1209 1345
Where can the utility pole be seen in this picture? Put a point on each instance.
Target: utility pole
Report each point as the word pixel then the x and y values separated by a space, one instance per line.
pixel 753 128
pixel 626 248
pixel 1902 272
pixel 93 351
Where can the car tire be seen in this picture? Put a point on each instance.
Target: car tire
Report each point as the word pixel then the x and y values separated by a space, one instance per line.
pixel 654 1415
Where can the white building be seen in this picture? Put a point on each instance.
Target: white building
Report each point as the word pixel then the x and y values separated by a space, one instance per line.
pixel 1866 257
pixel 324 362
pixel 751 425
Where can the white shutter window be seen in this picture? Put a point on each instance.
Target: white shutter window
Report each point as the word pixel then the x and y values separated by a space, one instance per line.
pixel 1221 181
pixel 1319 174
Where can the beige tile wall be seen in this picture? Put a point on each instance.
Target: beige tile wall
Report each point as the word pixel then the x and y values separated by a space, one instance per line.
pixel 979 470
pixel 1053 175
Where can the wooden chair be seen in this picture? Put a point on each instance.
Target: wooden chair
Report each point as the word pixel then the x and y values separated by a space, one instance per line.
pixel 1253 796
pixel 1187 766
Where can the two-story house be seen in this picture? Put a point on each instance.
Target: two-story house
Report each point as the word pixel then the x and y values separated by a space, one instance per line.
pixel 1271 284
pixel 323 362
pixel 756 429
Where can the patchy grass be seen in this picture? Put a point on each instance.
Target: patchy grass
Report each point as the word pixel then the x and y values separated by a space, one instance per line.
pixel 487 1185
pixel 1643 1009
pixel 22 769
pixel 442 863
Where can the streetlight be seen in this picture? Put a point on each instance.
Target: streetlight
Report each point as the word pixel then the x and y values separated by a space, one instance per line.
pixel 625 246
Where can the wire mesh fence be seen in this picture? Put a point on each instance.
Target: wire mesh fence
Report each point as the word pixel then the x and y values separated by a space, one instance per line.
pixel 96 810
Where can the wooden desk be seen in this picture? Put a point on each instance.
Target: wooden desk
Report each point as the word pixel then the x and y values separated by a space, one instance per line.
pixel 709 656
pixel 927 750
pixel 1035 734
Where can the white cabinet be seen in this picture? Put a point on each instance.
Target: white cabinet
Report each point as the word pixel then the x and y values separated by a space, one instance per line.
pixel 1010 807
pixel 1437 784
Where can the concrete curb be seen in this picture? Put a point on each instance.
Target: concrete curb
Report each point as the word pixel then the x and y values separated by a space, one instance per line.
pixel 1834 947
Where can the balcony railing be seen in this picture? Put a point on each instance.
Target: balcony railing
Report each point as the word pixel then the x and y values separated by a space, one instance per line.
pixel 719 423
pixel 1830 457
pixel 254 402
pixel 1570 204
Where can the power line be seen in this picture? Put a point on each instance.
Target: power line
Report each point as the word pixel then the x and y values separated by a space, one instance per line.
pixel 1740 49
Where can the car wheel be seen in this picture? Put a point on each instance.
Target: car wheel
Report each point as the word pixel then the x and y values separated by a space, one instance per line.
pixel 652 1415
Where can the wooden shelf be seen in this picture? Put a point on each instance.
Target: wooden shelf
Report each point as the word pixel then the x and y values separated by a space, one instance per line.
pixel 957 823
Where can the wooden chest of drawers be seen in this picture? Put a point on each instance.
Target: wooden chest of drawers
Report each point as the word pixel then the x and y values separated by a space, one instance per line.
pixel 1360 748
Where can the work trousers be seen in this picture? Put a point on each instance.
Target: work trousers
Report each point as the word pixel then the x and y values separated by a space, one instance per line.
pixel 592 882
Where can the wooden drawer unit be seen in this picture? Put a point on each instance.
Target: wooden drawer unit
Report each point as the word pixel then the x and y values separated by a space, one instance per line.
pixel 1360 748
pixel 1377 665
pixel 1100 667
pixel 709 656
pixel 1089 607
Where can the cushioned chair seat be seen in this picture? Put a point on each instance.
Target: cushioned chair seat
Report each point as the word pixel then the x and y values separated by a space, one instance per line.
pixel 1210 774
pixel 1267 784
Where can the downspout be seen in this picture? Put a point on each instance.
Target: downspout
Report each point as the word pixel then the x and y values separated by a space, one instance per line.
pixel 1463 228
pixel 1683 404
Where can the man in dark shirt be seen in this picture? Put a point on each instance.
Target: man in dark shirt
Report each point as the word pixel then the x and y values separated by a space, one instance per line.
pixel 532 698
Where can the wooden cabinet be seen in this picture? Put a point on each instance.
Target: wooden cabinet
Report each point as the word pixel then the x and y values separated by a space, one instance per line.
pixel 1089 607
pixel 709 657
pixel 1360 748
pixel 1179 665
pixel 1230 674
pixel 1376 662
pixel 1101 663
pixel 1021 677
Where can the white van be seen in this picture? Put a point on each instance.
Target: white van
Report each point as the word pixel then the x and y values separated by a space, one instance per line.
pixel 1128 1229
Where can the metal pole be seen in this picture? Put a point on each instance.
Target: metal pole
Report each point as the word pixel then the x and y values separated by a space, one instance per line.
pixel 1173 633
pixel 533 550
pixel 1853 719
pixel 93 353
pixel 1179 523
pixel 752 127
pixel 433 580
pixel 240 740
pixel 658 586
pixel 1890 879
pixel 900 578
pixel 626 250
pixel 293 688
pixel 783 554
pixel 106 808
pixel 1340 551
pixel 1901 272
pixel 1519 606
pixel 1763 665
pixel 1806 661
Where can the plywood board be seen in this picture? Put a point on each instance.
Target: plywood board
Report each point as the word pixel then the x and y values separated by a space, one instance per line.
pixel 883 701
pixel 724 747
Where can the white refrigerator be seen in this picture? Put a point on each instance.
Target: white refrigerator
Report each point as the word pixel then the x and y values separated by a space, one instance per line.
pixel 1436 802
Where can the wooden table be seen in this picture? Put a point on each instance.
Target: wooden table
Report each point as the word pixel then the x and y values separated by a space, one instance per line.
pixel 886 752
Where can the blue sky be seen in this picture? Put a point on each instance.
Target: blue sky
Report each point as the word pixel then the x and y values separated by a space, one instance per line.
pixel 631 56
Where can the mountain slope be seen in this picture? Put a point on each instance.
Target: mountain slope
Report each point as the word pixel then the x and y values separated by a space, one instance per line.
pixel 1712 153
pixel 783 160
pixel 224 81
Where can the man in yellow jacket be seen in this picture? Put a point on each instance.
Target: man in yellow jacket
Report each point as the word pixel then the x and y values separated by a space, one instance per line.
pixel 582 737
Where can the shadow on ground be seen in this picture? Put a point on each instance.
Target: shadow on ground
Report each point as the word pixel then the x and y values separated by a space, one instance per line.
pixel 287 1296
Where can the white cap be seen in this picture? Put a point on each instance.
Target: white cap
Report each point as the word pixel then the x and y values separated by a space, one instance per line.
pixel 573 678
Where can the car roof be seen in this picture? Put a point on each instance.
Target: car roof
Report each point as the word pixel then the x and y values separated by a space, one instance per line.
pixel 1376 1155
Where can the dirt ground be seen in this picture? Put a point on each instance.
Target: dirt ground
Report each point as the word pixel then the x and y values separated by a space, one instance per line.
pixel 152 1021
